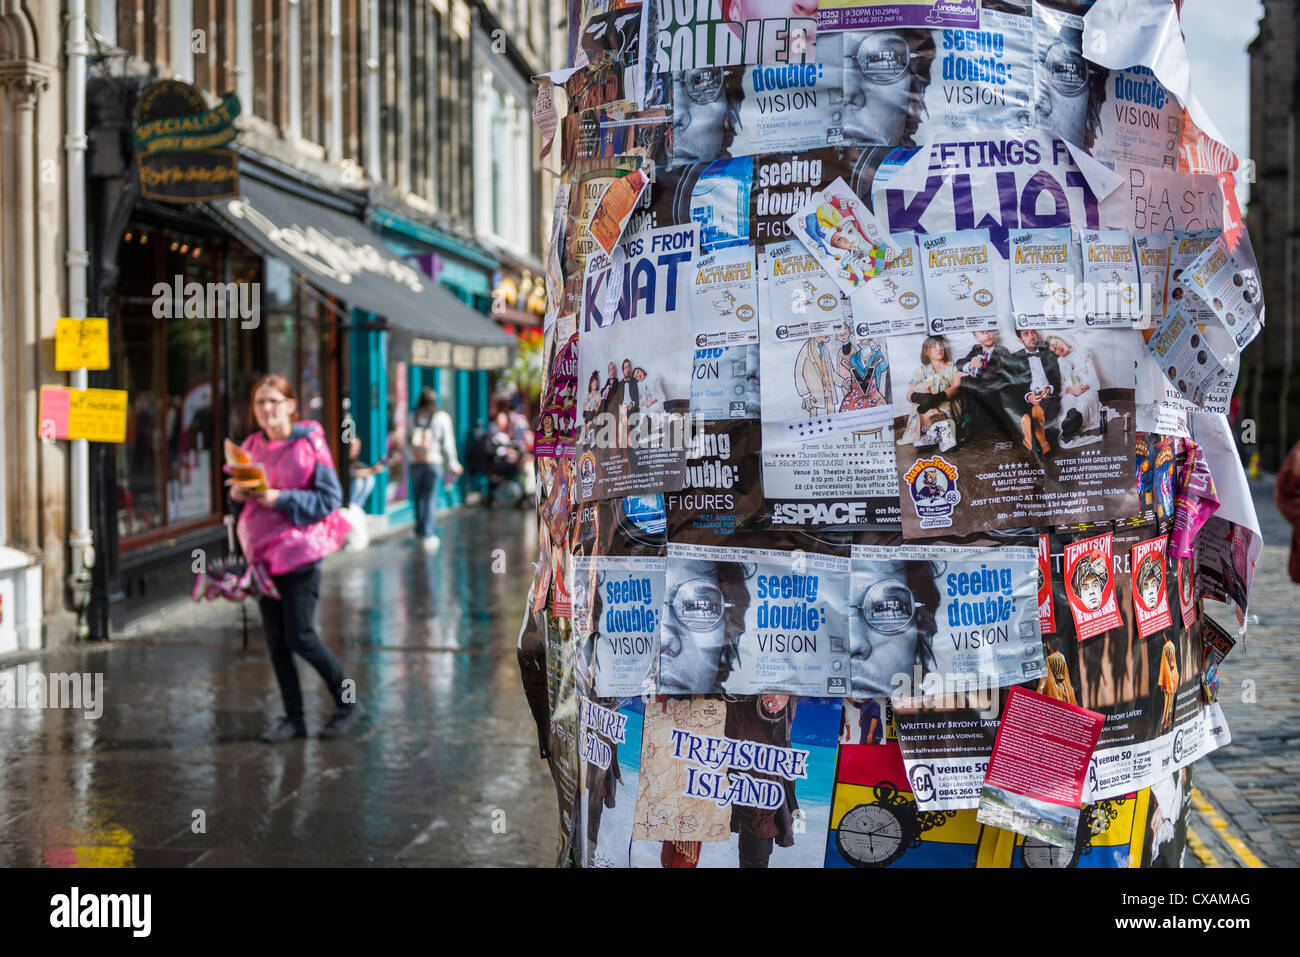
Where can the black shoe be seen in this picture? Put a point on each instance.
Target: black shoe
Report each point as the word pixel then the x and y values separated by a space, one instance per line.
pixel 345 716
pixel 284 730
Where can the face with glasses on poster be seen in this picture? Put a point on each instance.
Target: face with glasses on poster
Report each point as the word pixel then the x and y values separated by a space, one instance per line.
pixel 704 615
pixel 892 625
pixel 1070 90
pixel 886 73
pixel 706 114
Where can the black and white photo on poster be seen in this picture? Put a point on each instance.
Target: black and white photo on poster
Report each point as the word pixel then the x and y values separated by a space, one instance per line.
pixel 741 111
pixel 702 33
pixel 722 495
pixel 936 619
pixel 996 429
pixel 635 337
pixel 1070 90
pixel 1045 274
pixel 724 383
pixel 981 79
pixel 886 75
pixel 893 302
pixel 817 377
pixel 724 298
pixel 754 620
pixel 617 604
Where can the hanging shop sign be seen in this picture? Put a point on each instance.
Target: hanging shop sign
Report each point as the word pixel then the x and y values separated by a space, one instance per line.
pixel 178 142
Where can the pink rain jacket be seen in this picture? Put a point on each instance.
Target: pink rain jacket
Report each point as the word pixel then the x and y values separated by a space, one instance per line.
pixel 306 523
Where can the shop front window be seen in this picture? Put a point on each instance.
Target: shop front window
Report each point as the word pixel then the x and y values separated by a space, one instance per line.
pixel 166 469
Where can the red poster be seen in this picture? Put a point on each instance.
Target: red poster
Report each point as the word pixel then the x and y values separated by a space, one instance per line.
pixel 1090 586
pixel 1150 596
pixel 1046 610
pixel 1187 589
pixel 1034 784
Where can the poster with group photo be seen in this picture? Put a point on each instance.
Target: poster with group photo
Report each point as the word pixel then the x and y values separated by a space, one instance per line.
pixel 735 781
pixel 754 620
pixel 923 618
pixel 1002 430
pixel 636 341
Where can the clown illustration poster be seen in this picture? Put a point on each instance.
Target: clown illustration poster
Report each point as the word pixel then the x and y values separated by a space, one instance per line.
pixel 997 429
pixel 752 620
pixel 735 781
pixel 635 340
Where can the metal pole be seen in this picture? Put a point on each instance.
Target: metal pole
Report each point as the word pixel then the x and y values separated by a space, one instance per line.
pixel 80 538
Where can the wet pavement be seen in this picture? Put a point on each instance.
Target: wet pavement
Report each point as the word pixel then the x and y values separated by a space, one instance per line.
pixel 442 770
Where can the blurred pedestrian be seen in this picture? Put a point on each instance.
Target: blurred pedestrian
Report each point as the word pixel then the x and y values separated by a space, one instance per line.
pixel 287 528
pixel 1287 496
pixel 433 455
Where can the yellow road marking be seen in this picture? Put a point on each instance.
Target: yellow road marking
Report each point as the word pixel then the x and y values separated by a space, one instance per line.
pixel 1201 852
pixel 1219 824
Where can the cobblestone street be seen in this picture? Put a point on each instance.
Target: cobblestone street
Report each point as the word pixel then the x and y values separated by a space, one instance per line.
pixel 1249 809
pixel 443 770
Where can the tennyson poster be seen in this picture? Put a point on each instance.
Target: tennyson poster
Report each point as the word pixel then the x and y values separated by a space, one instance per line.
pixel 929 619
pixel 997 429
pixel 754 620
pixel 1148 689
pixel 635 343
pixel 735 781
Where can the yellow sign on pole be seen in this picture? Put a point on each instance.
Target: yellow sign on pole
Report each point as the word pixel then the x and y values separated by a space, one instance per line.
pixel 98 415
pixel 80 344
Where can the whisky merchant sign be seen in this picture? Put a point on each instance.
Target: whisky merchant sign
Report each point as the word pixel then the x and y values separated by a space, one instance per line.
pixel 178 141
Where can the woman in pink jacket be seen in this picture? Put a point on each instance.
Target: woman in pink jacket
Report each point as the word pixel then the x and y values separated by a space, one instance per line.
pixel 288 528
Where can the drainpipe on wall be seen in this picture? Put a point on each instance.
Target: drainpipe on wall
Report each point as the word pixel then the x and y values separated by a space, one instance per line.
pixel 80 538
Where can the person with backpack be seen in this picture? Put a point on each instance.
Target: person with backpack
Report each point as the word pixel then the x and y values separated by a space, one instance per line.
pixel 433 454
pixel 287 528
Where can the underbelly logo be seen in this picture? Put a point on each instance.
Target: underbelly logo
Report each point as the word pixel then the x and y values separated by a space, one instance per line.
pixel 932 483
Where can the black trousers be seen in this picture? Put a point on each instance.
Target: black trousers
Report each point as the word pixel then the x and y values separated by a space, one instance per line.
pixel 287 623
pixel 754 851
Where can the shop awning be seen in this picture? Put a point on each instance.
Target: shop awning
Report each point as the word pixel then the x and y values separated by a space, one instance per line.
pixel 339 254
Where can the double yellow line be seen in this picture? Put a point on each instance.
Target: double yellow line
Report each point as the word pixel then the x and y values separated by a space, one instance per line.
pixel 1203 853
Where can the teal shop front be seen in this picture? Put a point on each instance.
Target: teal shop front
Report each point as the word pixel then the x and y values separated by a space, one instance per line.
pixel 417 357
